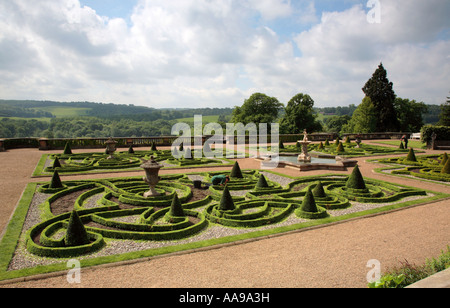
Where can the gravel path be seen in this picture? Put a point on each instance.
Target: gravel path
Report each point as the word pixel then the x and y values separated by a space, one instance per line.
pixel 332 256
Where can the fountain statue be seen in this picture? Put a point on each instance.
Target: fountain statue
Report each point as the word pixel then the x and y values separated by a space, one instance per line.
pixel 304 156
pixel 151 177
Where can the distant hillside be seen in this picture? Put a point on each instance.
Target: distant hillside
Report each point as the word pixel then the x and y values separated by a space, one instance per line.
pixel 49 109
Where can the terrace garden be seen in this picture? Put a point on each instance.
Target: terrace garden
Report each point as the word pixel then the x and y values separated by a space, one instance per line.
pixel 425 167
pixel 80 163
pixel 109 220
pixel 343 148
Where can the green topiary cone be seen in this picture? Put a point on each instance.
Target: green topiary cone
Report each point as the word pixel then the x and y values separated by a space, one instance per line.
pixel 153 147
pixel 281 145
pixel 347 140
pixel 444 159
pixel 76 234
pixel 327 143
pixel 318 191
pixel 309 203
pixel 56 181
pixel 236 171
pixel 446 168
pixel 262 183
pixel 176 209
pixel 56 163
pixel 320 146
pixel 130 150
pixel 356 180
pixel 226 202
pixel 340 148
pixel 67 149
pixel 401 146
pixel 411 156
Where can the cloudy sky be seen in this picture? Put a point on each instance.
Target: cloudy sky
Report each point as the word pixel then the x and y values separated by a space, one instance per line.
pixel 216 53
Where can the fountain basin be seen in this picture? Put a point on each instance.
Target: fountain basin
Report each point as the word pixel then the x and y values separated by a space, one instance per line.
pixel 318 162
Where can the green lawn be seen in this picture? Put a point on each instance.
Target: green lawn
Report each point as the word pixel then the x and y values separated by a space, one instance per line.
pixel 417 144
pixel 64 112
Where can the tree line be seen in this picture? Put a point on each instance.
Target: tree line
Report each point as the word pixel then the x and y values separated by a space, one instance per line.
pixel 380 111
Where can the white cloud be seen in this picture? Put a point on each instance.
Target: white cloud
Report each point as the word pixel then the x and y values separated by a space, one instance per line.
pixel 197 53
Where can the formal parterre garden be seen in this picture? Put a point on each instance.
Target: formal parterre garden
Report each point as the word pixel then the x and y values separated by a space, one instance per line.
pixel 425 167
pixel 343 148
pixel 109 220
pixel 130 160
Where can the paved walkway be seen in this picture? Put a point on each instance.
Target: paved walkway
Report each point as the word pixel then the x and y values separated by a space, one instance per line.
pixel 331 256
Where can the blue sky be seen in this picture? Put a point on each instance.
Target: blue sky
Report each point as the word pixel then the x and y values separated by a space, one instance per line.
pixel 216 53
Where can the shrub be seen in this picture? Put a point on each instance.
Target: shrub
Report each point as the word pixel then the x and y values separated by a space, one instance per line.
pixel 56 163
pixel 226 202
pixel 153 148
pixel 411 156
pixel 131 150
pixel 76 233
pixel 356 180
pixel 56 181
pixel 340 148
pixel 176 209
pixel 262 183
pixel 444 159
pixel 67 149
pixel 318 191
pixel 309 203
pixel 446 168
pixel 236 171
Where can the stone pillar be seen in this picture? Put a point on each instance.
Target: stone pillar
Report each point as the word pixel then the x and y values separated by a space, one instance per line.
pixel 43 144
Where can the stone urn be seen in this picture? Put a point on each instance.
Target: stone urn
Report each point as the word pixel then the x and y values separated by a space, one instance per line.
pixel 304 156
pixel 110 147
pixel 151 168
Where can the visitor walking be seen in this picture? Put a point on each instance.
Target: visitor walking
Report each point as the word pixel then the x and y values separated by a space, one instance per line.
pixel 405 140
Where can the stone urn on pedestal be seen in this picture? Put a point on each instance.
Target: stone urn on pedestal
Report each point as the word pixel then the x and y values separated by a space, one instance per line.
pixel 151 168
pixel 304 156
pixel 110 147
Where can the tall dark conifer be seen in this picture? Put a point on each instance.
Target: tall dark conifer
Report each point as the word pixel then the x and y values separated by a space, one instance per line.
pixel 380 90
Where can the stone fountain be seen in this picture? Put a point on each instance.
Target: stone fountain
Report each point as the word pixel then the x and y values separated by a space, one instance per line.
pixel 304 156
pixel 151 177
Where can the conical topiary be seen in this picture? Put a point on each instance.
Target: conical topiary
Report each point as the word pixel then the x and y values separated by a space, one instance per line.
pixel 340 148
pixel 76 234
pixel 226 202
pixel 446 168
pixel 347 139
pixel 67 149
pixel 262 183
pixel 401 146
pixel 320 146
pixel 176 209
pixel 236 171
pixel 411 156
pixel 356 180
pixel 56 181
pixel 444 159
pixel 131 150
pixel 153 147
pixel 175 153
pixel 309 203
pixel 318 191
pixel 337 141
pixel 281 145
pixel 56 163
pixel 327 143
pixel 181 148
